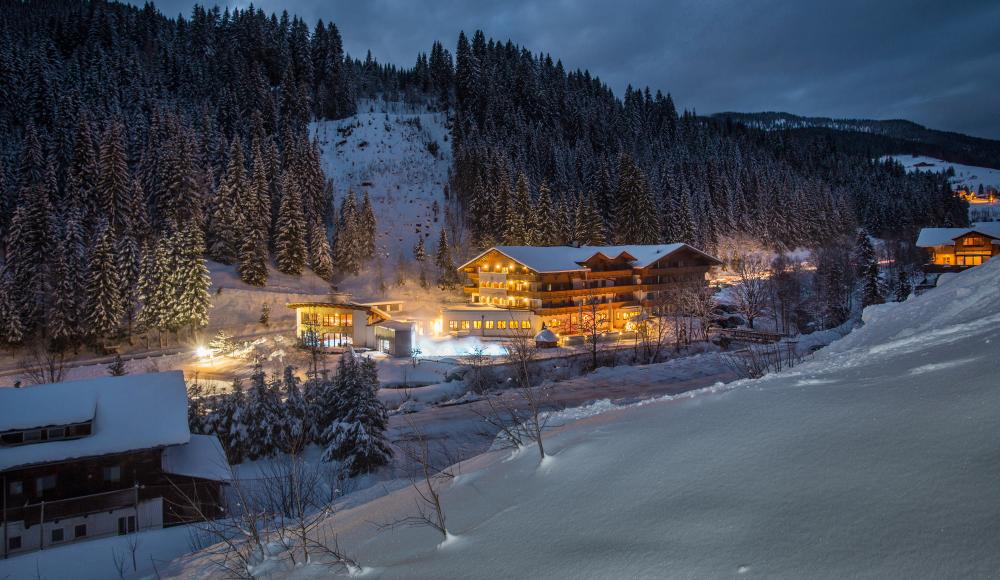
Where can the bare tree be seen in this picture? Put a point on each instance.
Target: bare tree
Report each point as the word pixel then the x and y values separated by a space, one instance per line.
pixel 593 321
pixel 757 360
pixel 751 292
pixel 287 506
pixel 427 478
pixel 479 376
pixel 519 415
pixel 700 305
pixel 43 365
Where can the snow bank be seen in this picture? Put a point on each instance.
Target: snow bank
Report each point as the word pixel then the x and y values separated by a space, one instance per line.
pixel 877 458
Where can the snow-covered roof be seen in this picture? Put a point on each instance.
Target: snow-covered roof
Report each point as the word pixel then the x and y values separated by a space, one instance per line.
pixel 571 258
pixel 129 413
pixel 546 335
pixel 202 457
pixel 930 237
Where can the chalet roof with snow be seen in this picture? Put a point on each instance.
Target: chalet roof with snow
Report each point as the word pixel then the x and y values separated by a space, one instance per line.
pixel 930 237
pixel 129 413
pixel 551 259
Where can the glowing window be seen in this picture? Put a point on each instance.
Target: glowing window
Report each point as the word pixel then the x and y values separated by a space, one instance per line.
pixel 525 324
pixel 465 325
pixel 489 324
pixel 477 324
pixel 501 324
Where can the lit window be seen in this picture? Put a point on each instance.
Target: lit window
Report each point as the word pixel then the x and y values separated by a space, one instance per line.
pixel 501 324
pixel 525 324
pixel 465 325
pixel 489 324
pixel 452 325
pixel 477 324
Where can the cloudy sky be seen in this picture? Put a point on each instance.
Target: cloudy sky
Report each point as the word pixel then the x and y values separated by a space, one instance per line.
pixel 933 62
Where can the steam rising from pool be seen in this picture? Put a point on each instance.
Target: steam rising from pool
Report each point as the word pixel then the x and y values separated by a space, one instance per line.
pixel 449 346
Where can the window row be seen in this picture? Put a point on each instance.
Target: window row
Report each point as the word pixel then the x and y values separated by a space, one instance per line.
pixel 27 436
pixel 487 324
pixel 335 319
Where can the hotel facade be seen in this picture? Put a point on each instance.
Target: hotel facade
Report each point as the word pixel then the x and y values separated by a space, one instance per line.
pixel 522 288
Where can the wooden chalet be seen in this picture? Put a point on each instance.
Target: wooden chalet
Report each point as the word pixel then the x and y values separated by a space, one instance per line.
pixel 94 458
pixel 955 249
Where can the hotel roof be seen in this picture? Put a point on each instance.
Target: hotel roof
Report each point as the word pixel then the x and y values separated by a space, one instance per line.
pixel 550 259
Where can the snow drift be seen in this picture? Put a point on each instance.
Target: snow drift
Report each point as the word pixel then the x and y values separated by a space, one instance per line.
pixel 877 458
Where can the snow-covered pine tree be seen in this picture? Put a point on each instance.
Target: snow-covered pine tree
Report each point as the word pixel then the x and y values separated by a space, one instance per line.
pixel 419 253
pixel 636 215
pixel 903 287
pixel 112 189
pixel 190 280
pixel 587 221
pixel 320 259
pixel 447 277
pixel 11 329
pixel 347 249
pixel 231 209
pixel 117 367
pixel 367 228
pixel 252 264
pixel 295 428
pixel 263 417
pixel 357 439
pixel 518 214
pixel 290 229
pixel 104 305
pixel 868 270
pixel 64 323
pixel 543 228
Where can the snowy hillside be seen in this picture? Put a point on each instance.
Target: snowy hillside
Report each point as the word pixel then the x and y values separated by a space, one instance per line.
pixel 386 151
pixel 877 458
pixel 966 176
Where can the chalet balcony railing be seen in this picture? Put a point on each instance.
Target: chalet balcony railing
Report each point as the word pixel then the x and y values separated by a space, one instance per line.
pixel 49 511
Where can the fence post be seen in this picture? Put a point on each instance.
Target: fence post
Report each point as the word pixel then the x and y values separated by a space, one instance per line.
pixel 41 525
pixel 135 506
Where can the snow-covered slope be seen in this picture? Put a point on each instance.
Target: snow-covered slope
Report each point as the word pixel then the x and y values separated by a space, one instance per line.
pixel 968 177
pixel 877 458
pixel 385 150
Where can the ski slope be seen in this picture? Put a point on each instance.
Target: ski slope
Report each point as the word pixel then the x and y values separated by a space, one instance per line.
pixel 968 177
pixel 384 151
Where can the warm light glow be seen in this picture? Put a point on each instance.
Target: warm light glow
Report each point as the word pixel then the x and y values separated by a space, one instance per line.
pixel 437 326
pixel 203 352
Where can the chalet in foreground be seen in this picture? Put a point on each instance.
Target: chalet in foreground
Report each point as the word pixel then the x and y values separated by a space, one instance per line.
pixel 92 458
pixel 528 286
pixel 339 323
pixel 954 249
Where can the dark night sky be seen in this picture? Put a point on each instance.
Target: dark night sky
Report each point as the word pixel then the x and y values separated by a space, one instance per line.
pixel 936 63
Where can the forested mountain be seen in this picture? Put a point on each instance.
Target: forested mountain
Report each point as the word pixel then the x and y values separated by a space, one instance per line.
pixel 891 136
pixel 132 146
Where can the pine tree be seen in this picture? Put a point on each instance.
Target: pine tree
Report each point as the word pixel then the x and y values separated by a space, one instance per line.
pixel 868 271
pixel 117 367
pixel 290 237
pixel 191 280
pixel 589 227
pixel 104 305
pixel 347 250
pixel 419 253
pixel 295 422
pixel 319 251
pixel 252 264
pixel 518 215
pixel 367 228
pixel 903 288
pixel 231 210
pixel 113 183
pixel 357 438
pixel 64 324
pixel 542 219
pixel 263 417
pixel 11 329
pixel 636 215
pixel 443 260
